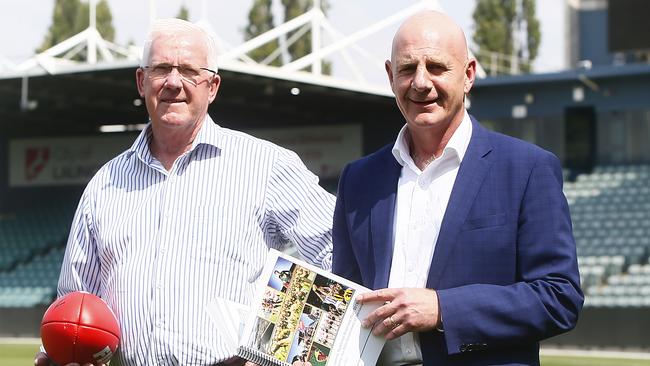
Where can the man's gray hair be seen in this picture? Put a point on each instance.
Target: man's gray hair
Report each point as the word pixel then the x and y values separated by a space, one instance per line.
pixel 173 26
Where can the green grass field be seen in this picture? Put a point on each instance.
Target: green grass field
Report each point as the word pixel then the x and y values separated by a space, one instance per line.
pixel 23 354
pixel 591 361
pixel 17 354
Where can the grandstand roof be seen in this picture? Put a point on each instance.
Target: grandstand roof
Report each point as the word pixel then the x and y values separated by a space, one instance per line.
pixel 608 71
pixel 79 102
pixel 107 61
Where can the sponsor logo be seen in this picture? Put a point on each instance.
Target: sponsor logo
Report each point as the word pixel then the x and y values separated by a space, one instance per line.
pixel 35 160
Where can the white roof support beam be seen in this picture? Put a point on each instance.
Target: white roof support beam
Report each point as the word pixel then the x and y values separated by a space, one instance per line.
pixel 316 67
pixel 305 61
pixel 336 35
pixel 291 40
pixel 68 44
pixel 101 45
pixel 272 34
pixel 325 40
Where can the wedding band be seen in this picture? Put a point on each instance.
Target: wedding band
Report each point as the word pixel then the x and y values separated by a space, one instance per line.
pixel 393 323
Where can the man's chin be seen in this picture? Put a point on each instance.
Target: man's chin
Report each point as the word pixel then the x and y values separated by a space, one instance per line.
pixel 428 120
pixel 173 120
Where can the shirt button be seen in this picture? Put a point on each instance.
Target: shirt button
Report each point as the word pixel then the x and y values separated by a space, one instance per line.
pixel 410 268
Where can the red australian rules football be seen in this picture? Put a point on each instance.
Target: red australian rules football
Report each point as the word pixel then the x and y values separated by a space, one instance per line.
pixel 79 327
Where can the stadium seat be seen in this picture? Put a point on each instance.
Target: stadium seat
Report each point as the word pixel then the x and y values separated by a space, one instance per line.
pixel 610 210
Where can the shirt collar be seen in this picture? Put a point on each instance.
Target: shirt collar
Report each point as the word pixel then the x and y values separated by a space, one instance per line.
pixel 457 144
pixel 208 135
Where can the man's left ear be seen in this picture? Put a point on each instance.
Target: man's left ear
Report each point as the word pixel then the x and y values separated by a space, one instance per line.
pixel 214 87
pixel 139 80
pixel 470 75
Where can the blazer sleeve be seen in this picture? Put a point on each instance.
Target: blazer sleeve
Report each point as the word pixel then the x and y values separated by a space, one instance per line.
pixel 343 259
pixel 546 297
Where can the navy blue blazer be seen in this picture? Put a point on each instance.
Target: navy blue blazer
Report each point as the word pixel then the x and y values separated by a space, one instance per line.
pixel 504 265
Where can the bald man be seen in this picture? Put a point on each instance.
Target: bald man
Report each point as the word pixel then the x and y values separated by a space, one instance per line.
pixel 464 233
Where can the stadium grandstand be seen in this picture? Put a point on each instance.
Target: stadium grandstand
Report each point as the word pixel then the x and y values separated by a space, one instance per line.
pixel 61 120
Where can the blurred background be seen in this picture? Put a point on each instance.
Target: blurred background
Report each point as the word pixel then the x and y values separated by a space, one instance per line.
pixel 571 76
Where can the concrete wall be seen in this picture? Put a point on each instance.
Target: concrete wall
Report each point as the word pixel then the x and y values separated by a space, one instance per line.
pixel 21 322
pixel 609 328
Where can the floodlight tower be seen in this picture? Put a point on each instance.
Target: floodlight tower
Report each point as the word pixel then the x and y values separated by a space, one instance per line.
pixel 520 51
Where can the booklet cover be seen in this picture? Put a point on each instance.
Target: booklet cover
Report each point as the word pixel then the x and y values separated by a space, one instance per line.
pixel 303 313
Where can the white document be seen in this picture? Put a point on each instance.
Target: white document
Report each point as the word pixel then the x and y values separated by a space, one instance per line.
pixel 228 318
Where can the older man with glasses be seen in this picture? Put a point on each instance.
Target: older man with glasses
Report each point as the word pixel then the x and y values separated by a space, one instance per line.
pixel 184 218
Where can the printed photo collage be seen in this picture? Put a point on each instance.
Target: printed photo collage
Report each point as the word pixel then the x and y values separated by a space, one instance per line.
pixel 300 314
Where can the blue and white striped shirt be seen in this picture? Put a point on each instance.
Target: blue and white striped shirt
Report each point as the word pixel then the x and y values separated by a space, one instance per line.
pixel 160 246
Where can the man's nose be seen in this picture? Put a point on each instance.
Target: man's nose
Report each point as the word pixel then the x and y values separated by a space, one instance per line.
pixel 421 80
pixel 173 79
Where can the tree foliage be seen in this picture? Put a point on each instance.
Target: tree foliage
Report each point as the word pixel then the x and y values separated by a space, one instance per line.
pixel 494 24
pixel 72 16
pixel 534 35
pixel 65 23
pixel 303 46
pixel 260 20
pixel 104 20
pixel 183 13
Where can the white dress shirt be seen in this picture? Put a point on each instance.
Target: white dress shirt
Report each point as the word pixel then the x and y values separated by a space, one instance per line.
pixel 160 246
pixel 422 198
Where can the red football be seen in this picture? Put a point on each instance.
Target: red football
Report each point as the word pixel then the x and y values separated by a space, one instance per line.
pixel 79 327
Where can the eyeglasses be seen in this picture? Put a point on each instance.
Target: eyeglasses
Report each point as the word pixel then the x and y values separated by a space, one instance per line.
pixel 189 73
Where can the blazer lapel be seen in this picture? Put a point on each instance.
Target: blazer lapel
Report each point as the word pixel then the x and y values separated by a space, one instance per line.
pixel 382 215
pixel 471 173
